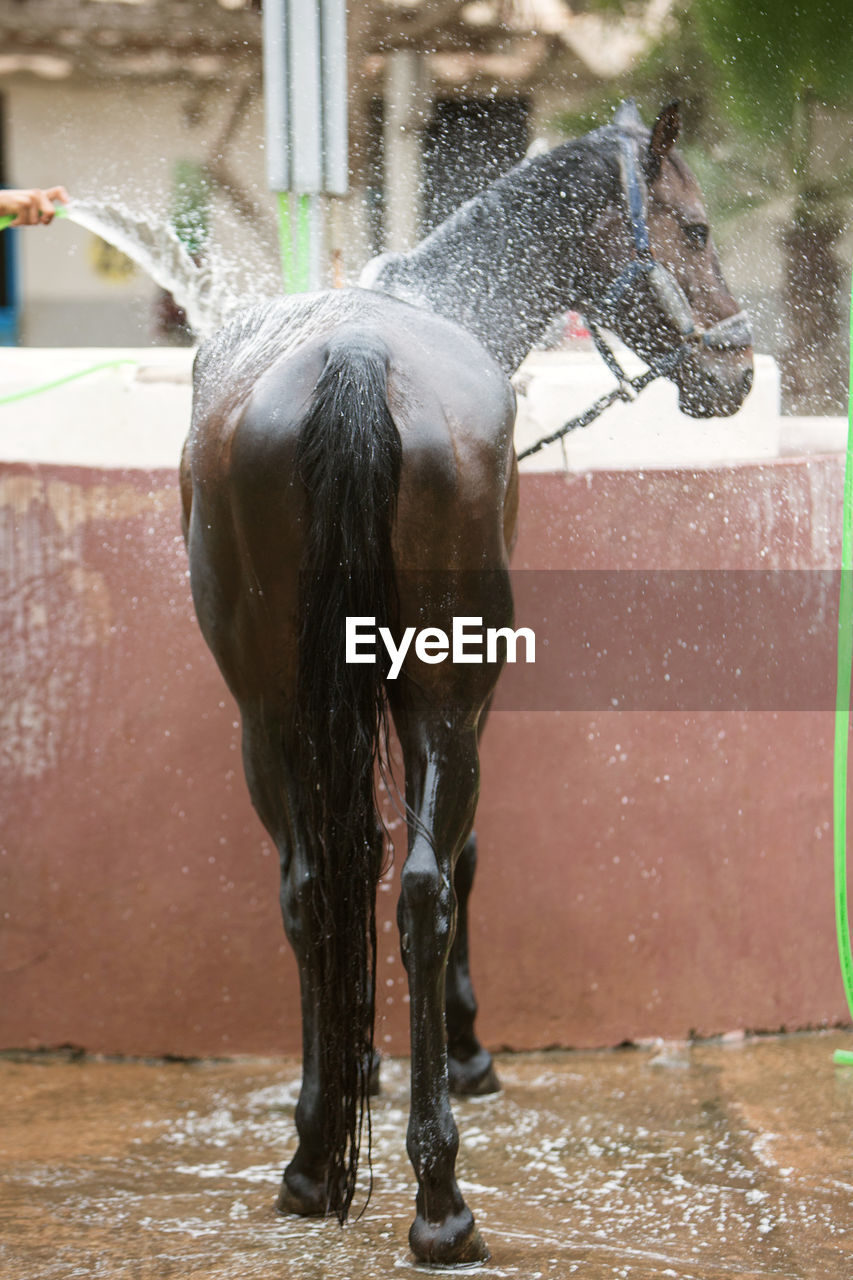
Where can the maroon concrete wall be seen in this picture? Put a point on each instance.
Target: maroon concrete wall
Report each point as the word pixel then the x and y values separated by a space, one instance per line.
pixel 643 873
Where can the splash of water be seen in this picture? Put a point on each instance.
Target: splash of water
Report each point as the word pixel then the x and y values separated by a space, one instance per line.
pixel 207 290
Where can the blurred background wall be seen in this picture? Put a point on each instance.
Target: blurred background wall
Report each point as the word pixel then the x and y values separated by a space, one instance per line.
pixel 159 103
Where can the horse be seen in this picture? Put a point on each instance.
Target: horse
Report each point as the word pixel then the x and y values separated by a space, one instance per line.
pixel 349 472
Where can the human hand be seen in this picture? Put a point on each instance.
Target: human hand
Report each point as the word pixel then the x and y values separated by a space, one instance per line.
pixel 31 206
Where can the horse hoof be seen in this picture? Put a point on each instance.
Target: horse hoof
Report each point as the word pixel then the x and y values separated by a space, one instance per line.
pixel 456 1242
pixel 301 1195
pixel 474 1078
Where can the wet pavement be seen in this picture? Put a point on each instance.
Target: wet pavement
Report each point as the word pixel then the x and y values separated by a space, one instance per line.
pixel 705 1162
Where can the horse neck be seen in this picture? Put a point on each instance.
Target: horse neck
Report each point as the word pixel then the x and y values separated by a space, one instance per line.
pixel 506 263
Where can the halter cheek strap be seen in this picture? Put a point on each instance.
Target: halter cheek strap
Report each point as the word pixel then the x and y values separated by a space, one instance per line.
pixel 636 197
pixel 667 292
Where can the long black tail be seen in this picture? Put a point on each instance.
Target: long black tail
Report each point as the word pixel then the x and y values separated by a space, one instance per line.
pixel 348 458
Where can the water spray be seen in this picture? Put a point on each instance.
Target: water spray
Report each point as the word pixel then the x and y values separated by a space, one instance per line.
pixel 60 211
pixel 842 714
pixel 207 290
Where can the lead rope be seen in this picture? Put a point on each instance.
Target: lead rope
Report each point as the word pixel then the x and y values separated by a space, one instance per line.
pixel 842 714
pixel 626 389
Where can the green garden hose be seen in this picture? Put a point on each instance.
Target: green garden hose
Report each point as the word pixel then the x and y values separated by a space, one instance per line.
pixel 294 238
pixel 28 392
pixel 842 713
pixel 8 218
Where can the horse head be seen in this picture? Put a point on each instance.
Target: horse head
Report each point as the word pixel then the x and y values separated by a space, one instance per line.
pixel 657 281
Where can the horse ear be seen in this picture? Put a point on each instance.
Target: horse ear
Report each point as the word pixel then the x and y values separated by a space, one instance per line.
pixel 627 114
pixel 665 130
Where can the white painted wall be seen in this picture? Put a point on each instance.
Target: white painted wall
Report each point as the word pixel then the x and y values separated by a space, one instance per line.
pixel 136 414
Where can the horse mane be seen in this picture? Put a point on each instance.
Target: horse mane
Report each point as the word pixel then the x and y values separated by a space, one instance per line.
pixel 506 262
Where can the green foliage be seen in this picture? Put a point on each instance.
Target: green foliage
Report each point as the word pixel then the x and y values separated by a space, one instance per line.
pixel 750 78
pixel 773 57
pixel 766 85
pixel 676 67
pixel 609 6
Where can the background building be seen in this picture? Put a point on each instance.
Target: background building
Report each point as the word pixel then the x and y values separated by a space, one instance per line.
pixel 159 104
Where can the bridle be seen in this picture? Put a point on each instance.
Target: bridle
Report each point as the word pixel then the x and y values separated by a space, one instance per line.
pixel 731 334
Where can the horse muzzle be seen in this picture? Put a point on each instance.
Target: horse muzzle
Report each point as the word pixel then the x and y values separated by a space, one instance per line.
pixel 716 374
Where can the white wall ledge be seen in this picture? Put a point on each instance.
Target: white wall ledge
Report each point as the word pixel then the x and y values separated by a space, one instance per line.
pixel 133 414
pixel 136 413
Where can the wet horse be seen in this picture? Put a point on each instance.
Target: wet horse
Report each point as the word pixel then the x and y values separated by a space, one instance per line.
pixel 351 457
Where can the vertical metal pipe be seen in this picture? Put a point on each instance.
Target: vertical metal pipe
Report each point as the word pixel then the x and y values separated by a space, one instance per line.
pixel 304 73
pixel 305 90
pixel 276 95
pixel 405 118
pixel 335 86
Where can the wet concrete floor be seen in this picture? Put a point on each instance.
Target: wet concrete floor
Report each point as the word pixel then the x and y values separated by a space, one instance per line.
pixel 707 1162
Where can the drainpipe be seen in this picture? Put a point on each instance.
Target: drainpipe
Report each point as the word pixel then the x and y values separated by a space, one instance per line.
pixel 305 94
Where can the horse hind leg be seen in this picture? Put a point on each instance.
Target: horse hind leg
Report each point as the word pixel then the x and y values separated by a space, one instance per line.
pixel 307 1187
pixel 470 1066
pixel 304 1187
pixel 470 1069
pixel 441 784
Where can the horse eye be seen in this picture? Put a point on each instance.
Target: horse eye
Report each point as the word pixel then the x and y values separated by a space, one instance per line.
pixel 697 234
